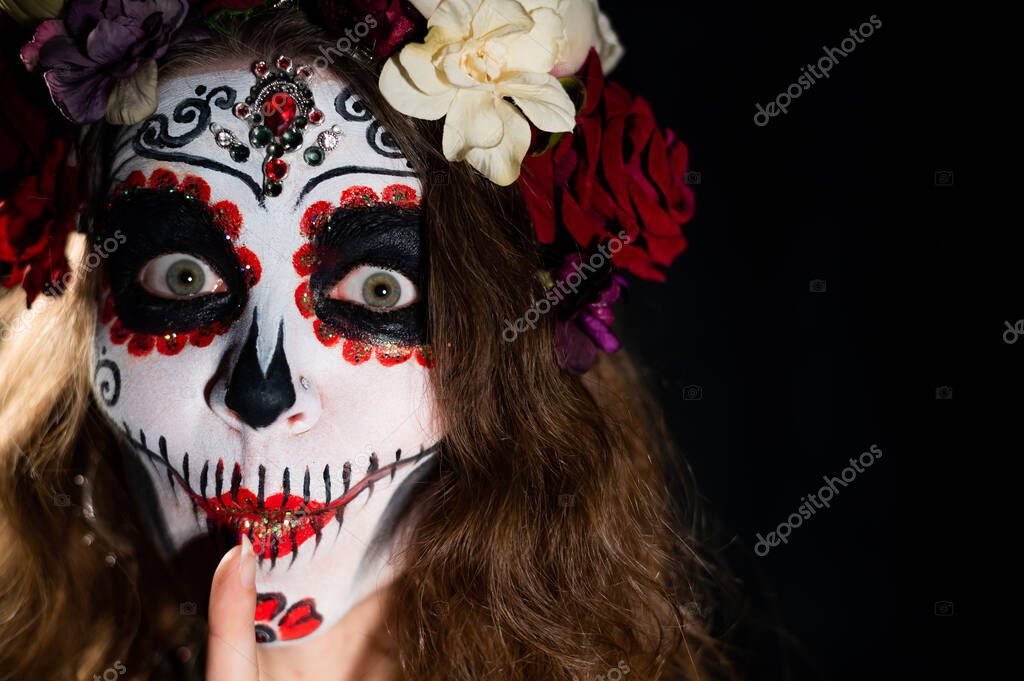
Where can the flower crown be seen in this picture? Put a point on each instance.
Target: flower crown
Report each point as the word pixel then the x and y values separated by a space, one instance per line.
pixel 520 85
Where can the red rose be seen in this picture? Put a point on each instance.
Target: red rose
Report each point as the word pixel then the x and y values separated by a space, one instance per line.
pixel 617 171
pixel 28 118
pixel 35 221
pixel 391 23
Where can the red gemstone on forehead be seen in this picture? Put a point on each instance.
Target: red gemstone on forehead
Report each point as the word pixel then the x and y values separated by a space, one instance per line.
pixel 316 116
pixel 261 68
pixel 284 63
pixel 304 72
pixel 279 112
pixel 276 169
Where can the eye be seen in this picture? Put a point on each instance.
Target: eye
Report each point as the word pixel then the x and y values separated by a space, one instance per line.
pixel 179 276
pixel 375 288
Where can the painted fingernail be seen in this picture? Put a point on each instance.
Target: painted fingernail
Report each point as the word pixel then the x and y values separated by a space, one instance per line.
pixel 247 564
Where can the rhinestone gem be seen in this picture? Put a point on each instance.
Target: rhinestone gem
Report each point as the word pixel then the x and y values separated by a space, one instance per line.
pixel 260 135
pixel 316 116
pixel 292 139
pixel 304 72
pixel 279 112
pixel 284 63
pixel 327 139
pixel 242 110
pixel 239 153
pixel 261 68
pixel 276 169
pixel 313 156
pixel 224 138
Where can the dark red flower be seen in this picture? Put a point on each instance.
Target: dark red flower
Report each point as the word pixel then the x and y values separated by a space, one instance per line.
pixel 28 120
pixel 617 171
pixel 35 221
pixel 385 25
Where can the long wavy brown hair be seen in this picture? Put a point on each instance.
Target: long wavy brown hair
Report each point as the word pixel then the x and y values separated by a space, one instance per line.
pixel 547 547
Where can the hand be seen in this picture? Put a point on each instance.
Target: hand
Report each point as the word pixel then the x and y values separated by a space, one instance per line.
pixel 231 650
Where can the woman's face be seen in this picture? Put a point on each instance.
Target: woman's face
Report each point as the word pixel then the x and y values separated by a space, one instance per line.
pixel 263 357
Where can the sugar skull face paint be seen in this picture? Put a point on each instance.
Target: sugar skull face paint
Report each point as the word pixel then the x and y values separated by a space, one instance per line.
pixel 264 356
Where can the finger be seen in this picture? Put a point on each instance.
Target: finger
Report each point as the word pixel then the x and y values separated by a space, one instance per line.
pixel 231 654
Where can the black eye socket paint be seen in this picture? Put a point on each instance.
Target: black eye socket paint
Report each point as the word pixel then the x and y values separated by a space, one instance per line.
pixel 385 236
pixel 157 223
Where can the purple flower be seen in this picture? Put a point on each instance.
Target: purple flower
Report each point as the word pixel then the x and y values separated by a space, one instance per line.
pixel 97 45
pixel 588 329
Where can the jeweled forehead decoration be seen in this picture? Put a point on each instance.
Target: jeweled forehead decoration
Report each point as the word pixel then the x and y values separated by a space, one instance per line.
pixel 279 107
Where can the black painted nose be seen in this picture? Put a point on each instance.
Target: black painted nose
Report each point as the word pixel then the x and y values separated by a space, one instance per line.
pixel 258 398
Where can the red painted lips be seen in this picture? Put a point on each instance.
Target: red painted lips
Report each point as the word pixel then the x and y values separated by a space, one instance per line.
pixel 278 526
pixel 280 523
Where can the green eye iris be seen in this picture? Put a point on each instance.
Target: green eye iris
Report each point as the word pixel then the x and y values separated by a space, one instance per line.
pixel 185 278
pixel 381 290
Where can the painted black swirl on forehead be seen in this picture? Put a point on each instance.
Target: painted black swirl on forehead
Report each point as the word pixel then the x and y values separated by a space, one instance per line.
pixel 351 108
pixel 154 140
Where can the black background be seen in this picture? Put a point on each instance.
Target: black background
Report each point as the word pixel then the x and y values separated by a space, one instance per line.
pixel 793 383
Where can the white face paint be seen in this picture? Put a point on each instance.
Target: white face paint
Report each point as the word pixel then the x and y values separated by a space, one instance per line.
pixel 305 429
